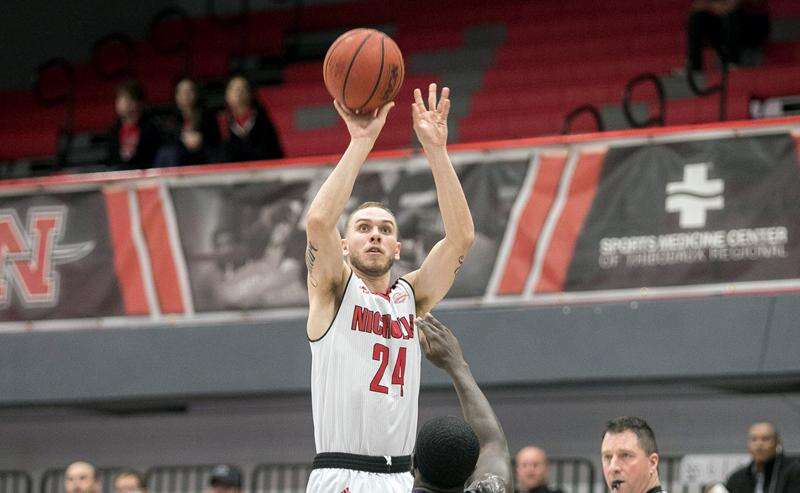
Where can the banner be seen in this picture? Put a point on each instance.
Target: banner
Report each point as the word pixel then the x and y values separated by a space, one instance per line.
pixel 701 212
pixel 246 250
pixel 56 258
pixel 645 214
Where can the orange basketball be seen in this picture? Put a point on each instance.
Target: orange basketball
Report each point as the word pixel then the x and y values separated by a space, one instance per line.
pixel 363 69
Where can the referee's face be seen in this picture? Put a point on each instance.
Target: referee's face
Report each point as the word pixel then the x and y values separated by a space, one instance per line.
pixel 626 466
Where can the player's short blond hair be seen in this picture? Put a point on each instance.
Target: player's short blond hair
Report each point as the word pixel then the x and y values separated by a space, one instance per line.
pixel 367 205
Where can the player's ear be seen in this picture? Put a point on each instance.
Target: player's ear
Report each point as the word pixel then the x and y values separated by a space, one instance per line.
pixel 344 247
pixel 397 251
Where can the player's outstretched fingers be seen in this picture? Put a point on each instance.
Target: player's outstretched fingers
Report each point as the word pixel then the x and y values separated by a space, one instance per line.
pixel 418 99
pixel 384 110
pixel 444 97
pixel 343 112
pixel 432 96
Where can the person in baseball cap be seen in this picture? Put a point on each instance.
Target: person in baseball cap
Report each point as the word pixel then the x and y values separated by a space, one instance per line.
pixel 225 479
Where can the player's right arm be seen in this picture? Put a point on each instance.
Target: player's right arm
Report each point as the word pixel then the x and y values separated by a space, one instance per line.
pixel 327 271
pixel 493 470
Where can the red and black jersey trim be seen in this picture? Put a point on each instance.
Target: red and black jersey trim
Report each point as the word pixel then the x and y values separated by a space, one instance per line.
pixel 338 307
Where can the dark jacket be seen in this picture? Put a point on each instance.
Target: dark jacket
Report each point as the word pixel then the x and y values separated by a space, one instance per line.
pixel 261 142
pixel 208 128
pixel 783 471
pixel 145 153
pixel 538 489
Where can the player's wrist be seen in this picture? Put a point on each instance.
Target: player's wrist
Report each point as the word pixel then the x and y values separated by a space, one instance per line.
pixel 363 143
pixel 435 150
pixel 455 368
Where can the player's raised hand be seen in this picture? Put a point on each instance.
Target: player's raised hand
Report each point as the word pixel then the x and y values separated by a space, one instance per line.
pixel 439 344
pixel 364 126
pixel 430 123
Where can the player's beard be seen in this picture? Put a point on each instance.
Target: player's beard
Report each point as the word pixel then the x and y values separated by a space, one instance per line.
pixel 374 270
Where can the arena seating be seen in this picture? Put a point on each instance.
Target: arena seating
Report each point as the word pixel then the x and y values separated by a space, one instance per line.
pixel 521 82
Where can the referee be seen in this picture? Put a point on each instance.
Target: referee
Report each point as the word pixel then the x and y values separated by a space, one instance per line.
pixel 630 456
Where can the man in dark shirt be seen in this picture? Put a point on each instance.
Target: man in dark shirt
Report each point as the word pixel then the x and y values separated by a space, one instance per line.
pixel 770 471
pixel 452 452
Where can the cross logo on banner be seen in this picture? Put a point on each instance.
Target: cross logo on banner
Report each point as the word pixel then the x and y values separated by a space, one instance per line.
pixel 693 197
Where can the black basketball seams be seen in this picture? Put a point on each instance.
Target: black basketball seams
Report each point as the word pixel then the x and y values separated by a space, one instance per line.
pixel 380 74
pixel 352 61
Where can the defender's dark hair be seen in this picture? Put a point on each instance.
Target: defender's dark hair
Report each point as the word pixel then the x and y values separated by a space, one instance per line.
pixel 446 452
pixel 644 434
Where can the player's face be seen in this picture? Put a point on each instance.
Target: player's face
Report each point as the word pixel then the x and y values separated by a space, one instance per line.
pixel 531 468
pixel 762 442
pixel 624 460
pixel 80 478
pixel 371 241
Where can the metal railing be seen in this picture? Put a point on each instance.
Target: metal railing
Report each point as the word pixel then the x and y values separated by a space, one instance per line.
pixel 15 482
pixel 283 478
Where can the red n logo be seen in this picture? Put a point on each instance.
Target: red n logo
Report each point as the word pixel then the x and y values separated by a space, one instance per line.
pixel 27 255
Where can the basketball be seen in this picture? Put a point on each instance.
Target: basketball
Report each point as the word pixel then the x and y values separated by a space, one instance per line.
pixel 363 69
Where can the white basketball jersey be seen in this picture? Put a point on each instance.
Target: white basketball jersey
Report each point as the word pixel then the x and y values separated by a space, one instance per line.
pixel 365 373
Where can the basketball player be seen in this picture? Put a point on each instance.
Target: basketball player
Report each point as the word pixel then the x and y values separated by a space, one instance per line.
pixel 451 452
pixel 365 352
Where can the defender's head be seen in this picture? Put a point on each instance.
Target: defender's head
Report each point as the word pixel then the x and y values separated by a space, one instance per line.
pixel 371 239
pixel 446 453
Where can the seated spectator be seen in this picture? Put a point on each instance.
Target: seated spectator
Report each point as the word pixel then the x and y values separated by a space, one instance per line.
pixel 732 27
pixel 247 130
pixel 195 135
pixel 770 471
pixel 135 139
pixel 130 481
pixel 81 477
pixel 533 468
pixel 225 479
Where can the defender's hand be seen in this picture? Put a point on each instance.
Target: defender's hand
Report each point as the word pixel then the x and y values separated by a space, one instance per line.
pixel 430 124
pixel 366 126
pixel 439 344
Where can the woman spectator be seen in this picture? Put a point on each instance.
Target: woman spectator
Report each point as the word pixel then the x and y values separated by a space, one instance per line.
pixel 134 137
pixel 248 132
pixel 195 134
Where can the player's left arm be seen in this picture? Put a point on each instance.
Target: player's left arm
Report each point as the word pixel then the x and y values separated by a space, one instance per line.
pixel 438 271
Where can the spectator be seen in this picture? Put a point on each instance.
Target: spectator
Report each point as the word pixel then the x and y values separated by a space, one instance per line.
pixel 81 477
pixel 532 468
pixel 225 479
pixel 770 471
pixel 196 137
pixel 135 139
pixel 130 481
pixel 246 127
pixel 629 455
pixel 732 27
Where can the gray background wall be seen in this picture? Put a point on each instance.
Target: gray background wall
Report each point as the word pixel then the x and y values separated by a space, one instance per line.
pixel 699 370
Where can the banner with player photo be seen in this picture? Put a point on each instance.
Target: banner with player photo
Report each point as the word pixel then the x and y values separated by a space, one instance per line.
pixel 246 250
pixel 57 258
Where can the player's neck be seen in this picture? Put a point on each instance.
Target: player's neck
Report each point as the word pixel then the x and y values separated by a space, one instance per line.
pixel 376 284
